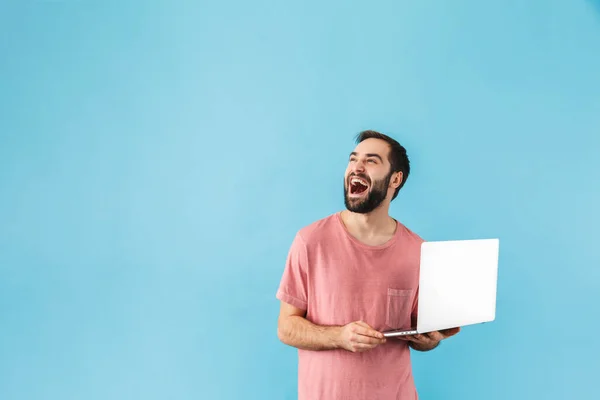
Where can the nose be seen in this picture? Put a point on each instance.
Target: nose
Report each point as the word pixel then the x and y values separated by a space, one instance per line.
pixel 359 166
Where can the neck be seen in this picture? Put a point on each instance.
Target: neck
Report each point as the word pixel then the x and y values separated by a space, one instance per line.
pixel 376 222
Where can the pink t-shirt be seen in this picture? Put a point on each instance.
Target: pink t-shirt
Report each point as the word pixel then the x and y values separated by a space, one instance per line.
pixel 338 280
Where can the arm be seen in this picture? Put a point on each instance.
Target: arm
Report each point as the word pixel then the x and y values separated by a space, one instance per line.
pixel 295 330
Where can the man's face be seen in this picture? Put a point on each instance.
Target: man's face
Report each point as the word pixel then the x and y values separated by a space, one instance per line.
pixel 367 177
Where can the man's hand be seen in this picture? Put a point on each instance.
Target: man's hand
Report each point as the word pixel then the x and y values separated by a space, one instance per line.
pixel 295 330
pixel 430 340
pixel 359 337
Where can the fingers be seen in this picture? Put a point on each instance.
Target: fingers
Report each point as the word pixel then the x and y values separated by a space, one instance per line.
pixel 367 339
pixel 420 338
pixel 362 343
pixel 434 336
pixel 450 332
pixel 430 337
pixel 362 328
pixel 362 337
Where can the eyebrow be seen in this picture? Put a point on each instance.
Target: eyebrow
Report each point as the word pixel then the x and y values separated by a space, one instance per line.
pixel 368 155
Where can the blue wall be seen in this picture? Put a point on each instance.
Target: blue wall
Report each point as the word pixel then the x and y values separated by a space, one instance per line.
pixel 157 159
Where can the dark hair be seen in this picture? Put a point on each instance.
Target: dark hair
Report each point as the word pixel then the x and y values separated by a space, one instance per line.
pixel 397 156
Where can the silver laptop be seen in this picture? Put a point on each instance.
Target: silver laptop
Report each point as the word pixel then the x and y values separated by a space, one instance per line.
pixel 457 285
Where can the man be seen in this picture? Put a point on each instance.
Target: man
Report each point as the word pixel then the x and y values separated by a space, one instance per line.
pixel 350 276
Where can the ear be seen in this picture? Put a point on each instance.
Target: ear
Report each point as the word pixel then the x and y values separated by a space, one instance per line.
pixel 397 179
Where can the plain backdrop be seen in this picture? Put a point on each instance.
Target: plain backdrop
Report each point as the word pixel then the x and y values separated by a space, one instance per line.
pixel 157 158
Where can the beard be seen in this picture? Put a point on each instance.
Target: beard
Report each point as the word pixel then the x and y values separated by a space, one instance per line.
pixel 372 200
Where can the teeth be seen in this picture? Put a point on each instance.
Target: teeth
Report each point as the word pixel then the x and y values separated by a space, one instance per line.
pixel 358 180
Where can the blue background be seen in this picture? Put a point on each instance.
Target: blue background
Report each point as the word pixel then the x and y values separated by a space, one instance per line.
pixel 157 158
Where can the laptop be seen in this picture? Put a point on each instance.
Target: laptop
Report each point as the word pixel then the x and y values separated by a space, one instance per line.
pixel 457 285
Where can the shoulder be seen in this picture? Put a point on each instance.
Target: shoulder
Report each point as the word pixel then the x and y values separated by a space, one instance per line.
pixel 318 230
pixel 409 235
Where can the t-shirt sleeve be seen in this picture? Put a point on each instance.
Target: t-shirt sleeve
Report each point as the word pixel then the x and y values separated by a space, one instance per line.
pixel 293 288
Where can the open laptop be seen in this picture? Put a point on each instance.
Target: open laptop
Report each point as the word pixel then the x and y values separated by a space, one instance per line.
pixel 457 285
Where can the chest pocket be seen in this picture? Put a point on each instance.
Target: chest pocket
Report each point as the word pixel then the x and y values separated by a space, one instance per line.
pixel 399 308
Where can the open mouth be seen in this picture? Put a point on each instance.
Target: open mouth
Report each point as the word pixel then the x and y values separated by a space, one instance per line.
pixel 358 186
